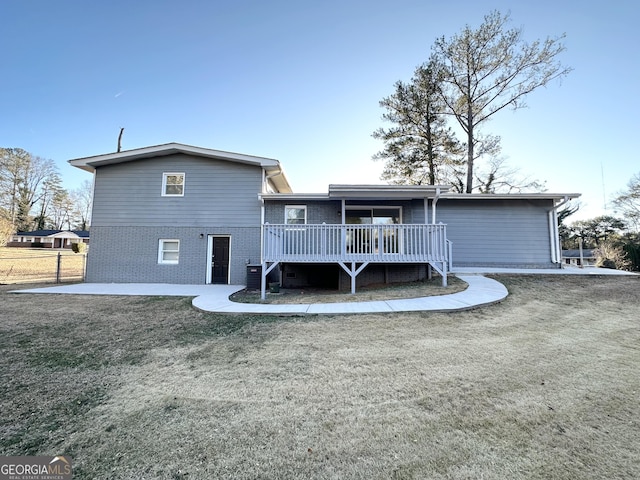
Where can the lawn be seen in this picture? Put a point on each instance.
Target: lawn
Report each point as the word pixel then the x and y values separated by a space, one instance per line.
pixel 24 265
pixel 543 385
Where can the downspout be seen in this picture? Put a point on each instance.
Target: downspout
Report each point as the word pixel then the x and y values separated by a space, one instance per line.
pixel 433 203
pixel 266 178
pixel 554 234
pixel 263 265
pixel 343 230
pixel 262 216
pixel 93 193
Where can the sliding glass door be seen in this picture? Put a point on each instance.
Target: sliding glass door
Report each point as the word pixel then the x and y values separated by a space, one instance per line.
pixel 378 238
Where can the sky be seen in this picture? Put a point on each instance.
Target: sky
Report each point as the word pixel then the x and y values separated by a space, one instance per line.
pixel 301 81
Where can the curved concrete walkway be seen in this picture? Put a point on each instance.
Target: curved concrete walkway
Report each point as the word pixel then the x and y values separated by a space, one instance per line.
pixel 481 291
pixel 215 298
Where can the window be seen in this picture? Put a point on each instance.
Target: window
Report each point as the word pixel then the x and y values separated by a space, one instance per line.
pixel 383 239
pixel 295 214
pixel 376 216
pixel 173 184
pixel 168 251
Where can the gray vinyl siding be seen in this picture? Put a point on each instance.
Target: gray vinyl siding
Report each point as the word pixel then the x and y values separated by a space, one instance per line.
pixel 487 233
pixel 130 254
pixel 498 232
pixel 216 192
pixel 317 212
pixel 413 212
pixel 130 215
pixel 329 211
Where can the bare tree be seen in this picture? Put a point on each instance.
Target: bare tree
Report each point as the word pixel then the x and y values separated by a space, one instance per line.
pixel 628 201
pixel 49 188
pixel 500 177
pixel 13 163
pixel 22 184
pixel 82 200
pixel 62 210
pixel 489 69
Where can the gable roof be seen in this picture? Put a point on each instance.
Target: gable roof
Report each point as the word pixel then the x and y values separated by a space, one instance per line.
pixel 51 233
pixel 271 166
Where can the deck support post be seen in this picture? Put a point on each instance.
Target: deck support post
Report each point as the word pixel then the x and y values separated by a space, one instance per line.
pixel 353 272
pixel 263 281
pixel 441 268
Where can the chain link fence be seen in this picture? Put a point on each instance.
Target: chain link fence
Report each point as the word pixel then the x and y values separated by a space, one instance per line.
pixel 36 266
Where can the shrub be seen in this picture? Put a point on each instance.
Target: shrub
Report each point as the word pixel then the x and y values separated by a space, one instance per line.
pixel 633 254
pixel 609 255
pixel 79 247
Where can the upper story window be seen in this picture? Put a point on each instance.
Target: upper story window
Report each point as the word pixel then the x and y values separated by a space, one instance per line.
pixel 169 251
pixel 295 214
pixel 173 184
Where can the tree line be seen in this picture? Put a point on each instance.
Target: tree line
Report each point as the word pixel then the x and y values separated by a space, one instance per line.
pixel 437 118
pixel 615 239
pixel 467 79
pixel 32 196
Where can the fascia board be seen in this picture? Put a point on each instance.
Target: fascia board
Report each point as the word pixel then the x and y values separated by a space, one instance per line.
pixel 89 163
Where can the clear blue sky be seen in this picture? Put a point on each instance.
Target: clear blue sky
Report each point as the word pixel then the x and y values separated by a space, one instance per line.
pixel 301 81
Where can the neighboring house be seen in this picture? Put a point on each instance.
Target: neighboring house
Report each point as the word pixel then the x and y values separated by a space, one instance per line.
pixel 180 214
pixel 49 238
pixel 579 258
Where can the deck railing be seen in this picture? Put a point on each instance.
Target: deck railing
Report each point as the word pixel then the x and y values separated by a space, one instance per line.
pixel 406 243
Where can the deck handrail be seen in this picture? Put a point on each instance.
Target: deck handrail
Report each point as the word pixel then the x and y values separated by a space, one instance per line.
pixel 316 243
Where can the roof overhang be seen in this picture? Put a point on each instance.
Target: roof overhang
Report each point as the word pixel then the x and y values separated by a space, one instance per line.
pixel 271 166
pixel 556 197
pixel 365 192
pixel 295 197
pixel 386 192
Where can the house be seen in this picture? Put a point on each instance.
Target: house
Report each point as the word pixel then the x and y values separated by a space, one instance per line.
pixel 579 258
pixel 49 238
pixel 176 213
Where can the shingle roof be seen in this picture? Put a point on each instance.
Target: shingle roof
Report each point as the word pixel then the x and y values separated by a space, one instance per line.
pixel 575 253
pixel 47 233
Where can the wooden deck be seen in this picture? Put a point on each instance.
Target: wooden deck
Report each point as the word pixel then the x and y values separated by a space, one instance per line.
pixel 353 247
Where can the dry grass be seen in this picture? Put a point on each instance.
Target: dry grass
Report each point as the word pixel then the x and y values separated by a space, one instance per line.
pixel 28 265
pixel 426 288
pixel 543 385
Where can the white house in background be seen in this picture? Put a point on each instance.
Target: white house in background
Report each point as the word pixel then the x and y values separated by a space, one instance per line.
pixel 176 213
pixel 578 258
pixel 49 238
